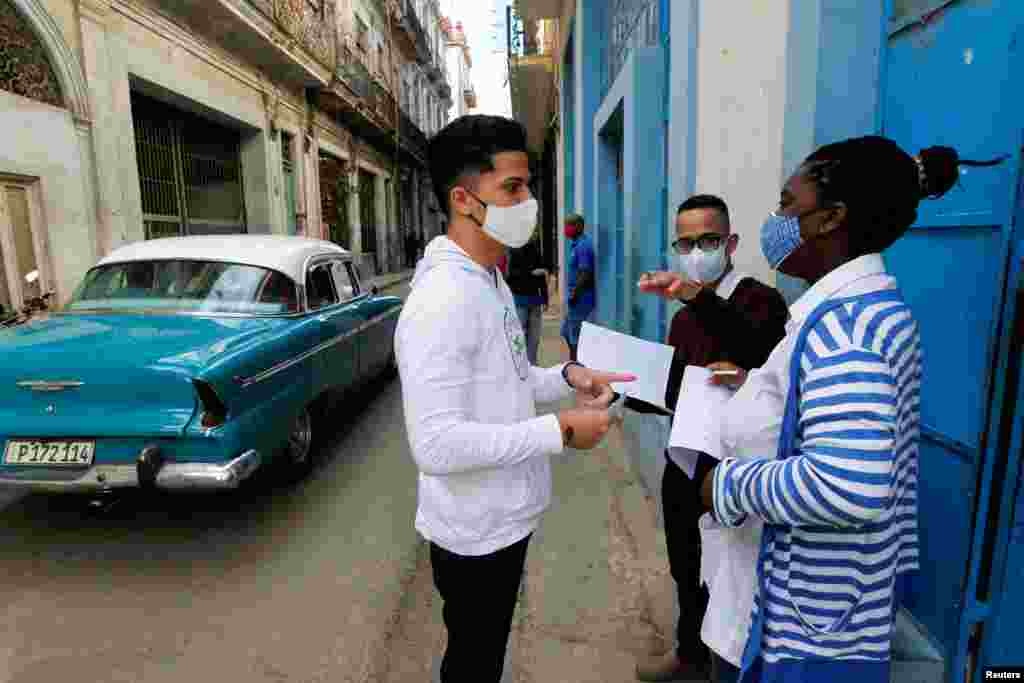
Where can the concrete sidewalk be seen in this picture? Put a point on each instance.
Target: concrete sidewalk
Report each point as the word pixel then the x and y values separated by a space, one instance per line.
pixel 597 591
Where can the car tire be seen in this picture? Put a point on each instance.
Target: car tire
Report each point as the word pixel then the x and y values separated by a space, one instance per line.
pixel 296 456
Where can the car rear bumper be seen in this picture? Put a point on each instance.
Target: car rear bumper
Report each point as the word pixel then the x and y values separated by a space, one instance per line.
pixel 149 470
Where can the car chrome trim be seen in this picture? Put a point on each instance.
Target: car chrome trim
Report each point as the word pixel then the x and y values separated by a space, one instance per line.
pixel 43 385
pixel 172 476
pixel 96 478
pixel 246 382
pixel 208 476
pixel 191 314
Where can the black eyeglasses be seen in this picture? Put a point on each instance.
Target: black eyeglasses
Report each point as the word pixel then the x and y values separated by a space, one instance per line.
pixel 709 241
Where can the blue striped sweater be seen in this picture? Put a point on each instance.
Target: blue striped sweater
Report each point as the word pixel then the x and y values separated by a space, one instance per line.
pixel 839 502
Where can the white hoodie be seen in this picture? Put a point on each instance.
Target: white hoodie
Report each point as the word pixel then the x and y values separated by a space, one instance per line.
pixel 469 395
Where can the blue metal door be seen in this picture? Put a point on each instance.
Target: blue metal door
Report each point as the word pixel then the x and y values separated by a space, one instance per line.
pixel 1001 583
pixel 950 79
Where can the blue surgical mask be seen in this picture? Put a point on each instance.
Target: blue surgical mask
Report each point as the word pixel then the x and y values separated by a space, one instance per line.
pixel 780 237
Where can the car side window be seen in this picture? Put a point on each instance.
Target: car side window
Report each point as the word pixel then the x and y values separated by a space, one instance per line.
pixel 320 287
pixel 353 272
pixel 278 289
pixel 343 281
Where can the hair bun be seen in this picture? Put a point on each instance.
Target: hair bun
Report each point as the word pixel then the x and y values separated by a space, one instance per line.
pixel 938 169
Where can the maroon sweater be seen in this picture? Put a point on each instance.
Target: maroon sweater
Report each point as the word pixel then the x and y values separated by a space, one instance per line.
pixel 742 329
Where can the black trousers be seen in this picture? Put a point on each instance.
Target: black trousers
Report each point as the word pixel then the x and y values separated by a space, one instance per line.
pixel 682 508
pixel 479 595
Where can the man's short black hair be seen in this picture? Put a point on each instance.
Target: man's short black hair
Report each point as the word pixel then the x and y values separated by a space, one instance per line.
pixel 466 147
pixel 575 219
pixel 705 201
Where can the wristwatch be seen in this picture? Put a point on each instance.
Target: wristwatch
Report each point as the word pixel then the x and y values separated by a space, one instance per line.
pixel 565 371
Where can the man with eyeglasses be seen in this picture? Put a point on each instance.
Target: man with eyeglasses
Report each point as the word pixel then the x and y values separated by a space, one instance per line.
pixel 727 318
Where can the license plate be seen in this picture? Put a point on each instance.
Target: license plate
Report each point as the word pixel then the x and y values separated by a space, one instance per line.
pixel 49 453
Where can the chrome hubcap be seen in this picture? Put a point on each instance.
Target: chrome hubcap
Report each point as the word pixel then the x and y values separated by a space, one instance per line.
pixel 300 439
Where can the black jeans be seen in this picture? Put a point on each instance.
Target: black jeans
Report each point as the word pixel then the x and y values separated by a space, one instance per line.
pixel 479 595
pixel 682 508
pixel 722 671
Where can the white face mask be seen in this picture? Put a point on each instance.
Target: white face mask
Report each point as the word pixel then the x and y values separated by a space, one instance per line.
pixel 510 225
pixel 703 266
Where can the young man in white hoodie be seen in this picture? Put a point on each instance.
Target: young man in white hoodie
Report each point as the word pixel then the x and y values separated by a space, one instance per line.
pixel 469 394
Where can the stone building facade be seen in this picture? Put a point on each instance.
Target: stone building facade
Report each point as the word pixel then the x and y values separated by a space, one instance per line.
pixel 460 65
pixel 425 97
pixel 139 119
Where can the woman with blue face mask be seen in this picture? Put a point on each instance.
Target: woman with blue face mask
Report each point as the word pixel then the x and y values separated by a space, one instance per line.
pixel 831 514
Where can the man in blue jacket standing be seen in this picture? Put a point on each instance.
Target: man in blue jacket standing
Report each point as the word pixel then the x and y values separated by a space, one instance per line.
pixel 579 281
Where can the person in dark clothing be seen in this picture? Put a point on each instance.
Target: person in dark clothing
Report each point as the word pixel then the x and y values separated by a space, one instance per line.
pixel 528 281
pixel 411 246
pixel 727 317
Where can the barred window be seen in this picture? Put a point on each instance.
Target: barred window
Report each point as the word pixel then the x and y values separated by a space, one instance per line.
pixel 190 171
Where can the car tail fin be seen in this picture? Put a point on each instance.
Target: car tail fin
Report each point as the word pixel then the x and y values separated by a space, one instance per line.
pixel 214 412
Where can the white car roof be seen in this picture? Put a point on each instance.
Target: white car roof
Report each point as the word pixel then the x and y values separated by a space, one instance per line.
pixel 283 253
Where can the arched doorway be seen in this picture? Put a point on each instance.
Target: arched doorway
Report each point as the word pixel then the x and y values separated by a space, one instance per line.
pixel 36 62
pixel 46 174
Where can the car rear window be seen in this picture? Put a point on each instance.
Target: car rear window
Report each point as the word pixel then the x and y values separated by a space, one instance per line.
pixel 201 286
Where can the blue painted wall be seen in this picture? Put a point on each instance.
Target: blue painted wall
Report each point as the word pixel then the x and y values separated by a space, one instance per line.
pixel 569 124
pixel 850 43
pixel 607 148
pixel 632 121
pixel 589 59
pixel 645 143
pixel 631 209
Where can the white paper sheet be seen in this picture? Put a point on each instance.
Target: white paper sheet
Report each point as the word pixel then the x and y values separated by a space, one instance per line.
pixel 696 426
pixel 611 351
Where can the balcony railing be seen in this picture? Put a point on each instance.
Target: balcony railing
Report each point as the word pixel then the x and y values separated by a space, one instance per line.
pixel 412 137
pixel 405 34
pixel 422 40
pixel 383 103
pixel 252 30
pixel 377 100
pixel 357 77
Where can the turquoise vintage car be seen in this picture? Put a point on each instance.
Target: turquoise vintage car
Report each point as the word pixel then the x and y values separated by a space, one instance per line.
pixel 188 363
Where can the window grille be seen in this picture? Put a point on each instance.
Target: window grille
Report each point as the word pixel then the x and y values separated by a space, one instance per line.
pixel 631 23
pixel 190 172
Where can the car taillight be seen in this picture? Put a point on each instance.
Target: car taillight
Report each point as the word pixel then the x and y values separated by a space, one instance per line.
pixel 214 412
